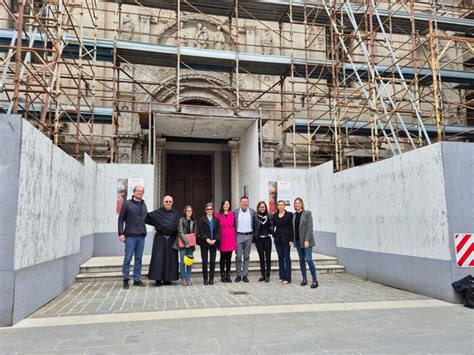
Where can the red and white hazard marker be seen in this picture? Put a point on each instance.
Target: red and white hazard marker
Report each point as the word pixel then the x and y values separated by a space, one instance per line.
pixel 464 244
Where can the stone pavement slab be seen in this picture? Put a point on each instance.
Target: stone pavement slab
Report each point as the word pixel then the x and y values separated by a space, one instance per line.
pixel 368 331
pixel 108 297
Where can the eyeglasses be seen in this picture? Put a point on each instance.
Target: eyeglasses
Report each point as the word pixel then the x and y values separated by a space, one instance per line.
pixel 168 201
pixel 209 209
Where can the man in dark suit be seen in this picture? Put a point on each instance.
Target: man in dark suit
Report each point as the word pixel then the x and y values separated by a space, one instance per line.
pixel 244 217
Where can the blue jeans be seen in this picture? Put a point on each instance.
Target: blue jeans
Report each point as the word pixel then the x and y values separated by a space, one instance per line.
pixel 306 254
pixel 133 245
pixel 284 261
pixel 184 270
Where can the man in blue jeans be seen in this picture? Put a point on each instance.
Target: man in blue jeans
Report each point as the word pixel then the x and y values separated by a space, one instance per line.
pixel 133 214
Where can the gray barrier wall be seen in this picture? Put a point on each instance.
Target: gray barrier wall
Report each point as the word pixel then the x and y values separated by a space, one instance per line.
pixel 10 141
pixel 396 219
pixel 56 213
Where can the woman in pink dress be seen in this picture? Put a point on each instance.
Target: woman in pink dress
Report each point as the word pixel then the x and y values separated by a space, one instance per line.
pixel 228 239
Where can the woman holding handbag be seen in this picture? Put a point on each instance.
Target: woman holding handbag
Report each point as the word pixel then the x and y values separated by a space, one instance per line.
pixel 186 243
pixel 209 239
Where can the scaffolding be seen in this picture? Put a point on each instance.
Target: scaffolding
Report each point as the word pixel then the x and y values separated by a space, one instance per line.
pixel 44 78
pixel 348 81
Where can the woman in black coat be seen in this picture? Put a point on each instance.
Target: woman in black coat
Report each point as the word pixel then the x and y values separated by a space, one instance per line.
pixel 283 238
pixel 262 229
pixel 209 239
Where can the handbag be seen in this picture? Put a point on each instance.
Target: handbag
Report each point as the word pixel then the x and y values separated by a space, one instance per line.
pixel 191 237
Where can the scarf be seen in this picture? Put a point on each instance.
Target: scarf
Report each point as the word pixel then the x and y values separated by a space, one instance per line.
pixel 263 217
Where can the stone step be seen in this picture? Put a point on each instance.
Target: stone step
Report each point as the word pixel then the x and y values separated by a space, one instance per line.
pixel 109 268
pixel 197 272
pixel 114 263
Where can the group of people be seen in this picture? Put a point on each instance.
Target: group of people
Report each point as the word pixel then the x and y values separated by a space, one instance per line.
pixel 225 230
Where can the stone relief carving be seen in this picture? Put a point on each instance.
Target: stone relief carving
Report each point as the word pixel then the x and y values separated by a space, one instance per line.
pixel 267 41
pixel 125 120
pixel 124 158
pixel 320 43
pixel 184 37
pixel 266 85
pixel 197 30
pixel 201 36
pixel 137 151
pixel 128 27
pixel 219 39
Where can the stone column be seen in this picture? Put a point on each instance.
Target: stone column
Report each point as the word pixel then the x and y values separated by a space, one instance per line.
pixel 250 36
pixel 160 144
pixel 234 172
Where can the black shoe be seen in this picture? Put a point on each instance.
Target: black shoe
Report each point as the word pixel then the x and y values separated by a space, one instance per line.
pixel 228 279
pixel 223 279
pixel 315 284
pixel 158 283
pixel 139 283
pixel 304 282
pixel 126 286
pixel 267 279
pixel 238 279
pixel 167 283
pixel 261 279
pixel 245 279
pixel 206 282
pixel 211 281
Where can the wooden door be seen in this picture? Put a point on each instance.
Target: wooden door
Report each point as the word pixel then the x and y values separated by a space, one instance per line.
pixel 189 181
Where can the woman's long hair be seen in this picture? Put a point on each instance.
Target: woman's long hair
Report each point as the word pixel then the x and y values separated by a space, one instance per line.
pixel 257 212
pixel 221 210
pixel 185 209
pixel 301 200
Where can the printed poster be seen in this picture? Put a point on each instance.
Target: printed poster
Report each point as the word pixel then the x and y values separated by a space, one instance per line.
pixel 125 190
pixel 284 192
pixel 272 196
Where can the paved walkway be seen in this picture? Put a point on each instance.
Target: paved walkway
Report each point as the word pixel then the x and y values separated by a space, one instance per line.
pixel 109 297
pixel 345 314
pixel 439 329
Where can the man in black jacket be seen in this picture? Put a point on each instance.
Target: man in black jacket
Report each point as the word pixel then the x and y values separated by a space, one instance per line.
pixel 133 214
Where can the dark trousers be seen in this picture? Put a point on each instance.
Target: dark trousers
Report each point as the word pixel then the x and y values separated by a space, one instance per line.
pixel 208 255
pixel 284 261
pixel 226 258
pixel 264 249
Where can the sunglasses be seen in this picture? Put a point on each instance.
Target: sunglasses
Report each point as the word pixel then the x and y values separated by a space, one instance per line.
pixel 168 201
pixel 209 209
